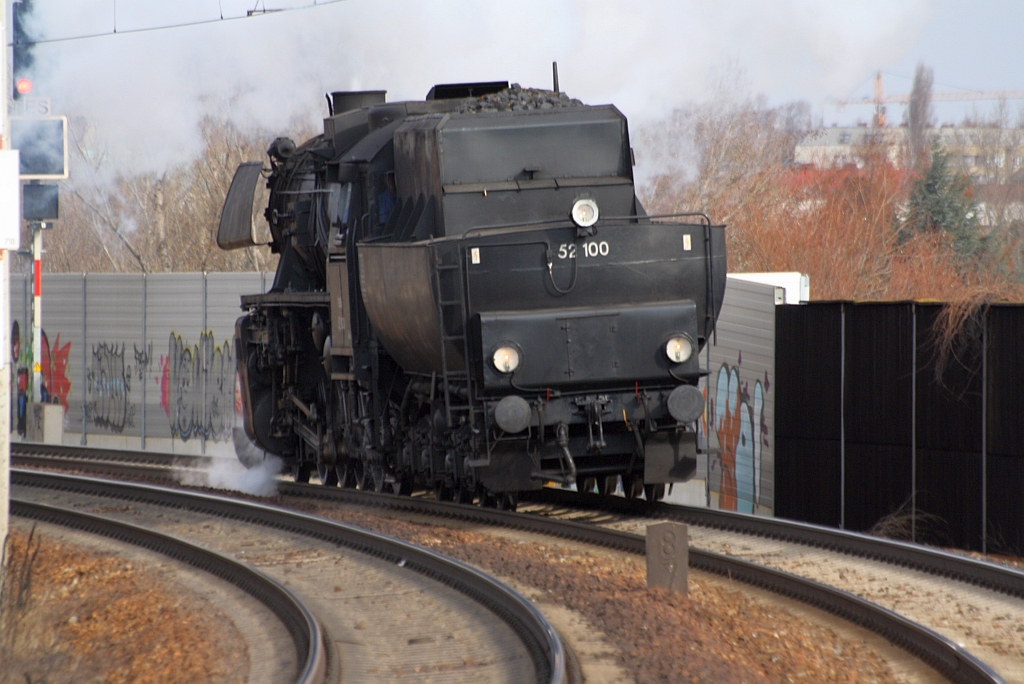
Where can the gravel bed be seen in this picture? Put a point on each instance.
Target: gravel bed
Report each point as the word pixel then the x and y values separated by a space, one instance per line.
pixel 98 611
pixel 987 623
pixel 721 631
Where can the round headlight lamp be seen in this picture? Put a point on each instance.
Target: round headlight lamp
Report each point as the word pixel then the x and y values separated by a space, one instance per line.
pixel 584 212
pixel 506 358
pixel 679 349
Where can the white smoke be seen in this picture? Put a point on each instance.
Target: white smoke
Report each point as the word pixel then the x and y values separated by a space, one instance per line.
pixel 257 476
pixel 144 93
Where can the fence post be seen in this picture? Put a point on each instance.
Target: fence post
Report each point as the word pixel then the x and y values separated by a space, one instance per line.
pixel 85 359
pixel 145 354
pixel 842 416
pixel 203 370
pixel 913 423
pixel 984 432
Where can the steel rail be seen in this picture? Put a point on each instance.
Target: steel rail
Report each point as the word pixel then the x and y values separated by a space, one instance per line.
pixel 538 635
pixel 951 660
pixel 933 561
pixel 954 662
pixel 151 465
pixel 303 627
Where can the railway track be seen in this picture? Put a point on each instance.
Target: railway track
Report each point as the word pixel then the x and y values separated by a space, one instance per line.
pixel 524 648
pixel 303 628
pixel 942 653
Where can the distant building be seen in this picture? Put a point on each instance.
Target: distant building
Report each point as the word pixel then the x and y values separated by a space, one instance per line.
pixel 988 155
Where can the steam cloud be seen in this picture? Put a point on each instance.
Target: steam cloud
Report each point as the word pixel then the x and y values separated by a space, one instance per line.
pixel 144 93
pixel 229 473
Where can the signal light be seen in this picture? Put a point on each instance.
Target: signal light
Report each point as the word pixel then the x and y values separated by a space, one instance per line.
pixel 23 86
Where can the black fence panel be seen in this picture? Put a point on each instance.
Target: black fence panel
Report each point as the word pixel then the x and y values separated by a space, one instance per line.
pixel 808 368
pixel 1005 428
pixel 949 498
pixel 948 394
pixel 1005 361
pixel 807 480
pixel 1005 505
pixel 878 485
pixel 878 411
pixel 874 410
pixel 808 394
pixel 879 373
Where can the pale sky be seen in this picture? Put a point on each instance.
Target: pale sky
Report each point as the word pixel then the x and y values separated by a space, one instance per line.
pixel 145 92
pixel 971 46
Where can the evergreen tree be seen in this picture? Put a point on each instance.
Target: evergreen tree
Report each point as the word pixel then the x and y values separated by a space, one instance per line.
pixel 942 200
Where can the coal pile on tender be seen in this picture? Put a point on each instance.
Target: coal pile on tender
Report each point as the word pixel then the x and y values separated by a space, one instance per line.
pixel 517 98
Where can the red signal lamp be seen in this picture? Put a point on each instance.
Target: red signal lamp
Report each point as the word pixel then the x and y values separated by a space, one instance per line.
pixel 23 86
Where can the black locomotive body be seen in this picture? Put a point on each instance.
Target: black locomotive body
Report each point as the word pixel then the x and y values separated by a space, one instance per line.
pixel 473 301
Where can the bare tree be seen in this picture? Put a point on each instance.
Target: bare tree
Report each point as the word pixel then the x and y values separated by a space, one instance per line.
pixel 920 116
pixel 158 221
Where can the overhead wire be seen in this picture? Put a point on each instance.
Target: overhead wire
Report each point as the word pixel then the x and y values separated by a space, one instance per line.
pixel 148 29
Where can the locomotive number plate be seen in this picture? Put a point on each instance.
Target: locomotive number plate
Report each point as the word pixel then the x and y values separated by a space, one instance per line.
pixel 588 249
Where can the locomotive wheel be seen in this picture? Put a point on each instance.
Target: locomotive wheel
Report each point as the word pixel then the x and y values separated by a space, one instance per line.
pixel 328 475
pixel 353 477
pixel 443 492
pixel 508 501
pixel 399 485
pixel 606 485
pixel 373 475
pixel 632 486
pixel 402 486
pixel 301 471
pixel 489 499
pixel 589 483
pixel 654 492
pixel 463 493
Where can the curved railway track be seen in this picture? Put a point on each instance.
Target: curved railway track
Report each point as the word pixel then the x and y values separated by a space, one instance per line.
pixel 946 656
pixel 296 617
pixel 540 643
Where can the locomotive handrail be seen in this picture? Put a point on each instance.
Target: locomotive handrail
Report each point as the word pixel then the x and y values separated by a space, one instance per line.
pixel 517 224
pixel 709 310
pixel 542 222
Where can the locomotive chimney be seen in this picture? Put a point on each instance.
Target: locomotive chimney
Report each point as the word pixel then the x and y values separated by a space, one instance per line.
pixel 347 100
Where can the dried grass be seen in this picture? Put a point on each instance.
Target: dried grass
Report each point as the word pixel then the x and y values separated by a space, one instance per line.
pixel 70 615
pixel 908 523
pixel 17 561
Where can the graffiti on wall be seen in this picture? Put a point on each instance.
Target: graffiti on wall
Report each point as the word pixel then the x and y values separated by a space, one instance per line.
pixel 55 369
pixel 197 387
pixel 54 383
pixel 737 429
pixel 108 384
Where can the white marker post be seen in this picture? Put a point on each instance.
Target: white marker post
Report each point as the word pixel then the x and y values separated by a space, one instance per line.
pixel 10 224
pixel 668 556
pixel 10 233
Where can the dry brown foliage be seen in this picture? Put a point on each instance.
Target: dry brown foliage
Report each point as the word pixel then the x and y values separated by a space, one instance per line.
pixel 72 615
pixel 841 226
pixel 908 523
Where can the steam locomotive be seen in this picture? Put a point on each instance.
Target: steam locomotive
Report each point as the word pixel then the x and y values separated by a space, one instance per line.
pixel 470 298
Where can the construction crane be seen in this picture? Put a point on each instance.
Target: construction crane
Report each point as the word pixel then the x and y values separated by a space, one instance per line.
pixel 880 98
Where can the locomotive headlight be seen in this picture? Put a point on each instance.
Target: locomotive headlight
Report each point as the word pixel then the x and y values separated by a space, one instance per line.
pixel 679 349
pixel 584 213
pixel 506 358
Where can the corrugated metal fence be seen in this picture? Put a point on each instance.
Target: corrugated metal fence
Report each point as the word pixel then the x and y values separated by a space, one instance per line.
pixel 137 360
pixel 866 427
pixel 739 423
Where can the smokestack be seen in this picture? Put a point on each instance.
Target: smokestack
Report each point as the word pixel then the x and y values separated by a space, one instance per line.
pixel 347 100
